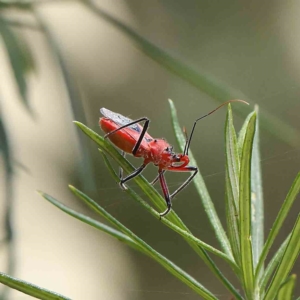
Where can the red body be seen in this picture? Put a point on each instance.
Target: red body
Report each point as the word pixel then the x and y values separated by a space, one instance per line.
pixel 157 151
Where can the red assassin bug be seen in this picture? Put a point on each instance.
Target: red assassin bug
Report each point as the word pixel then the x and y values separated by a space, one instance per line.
pixel 132 138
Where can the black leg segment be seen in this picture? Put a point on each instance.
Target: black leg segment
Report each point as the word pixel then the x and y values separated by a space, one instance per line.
pixel 132 175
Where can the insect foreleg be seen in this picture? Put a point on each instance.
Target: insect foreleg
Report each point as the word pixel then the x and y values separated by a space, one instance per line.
pixel 132 175
pixel 184 169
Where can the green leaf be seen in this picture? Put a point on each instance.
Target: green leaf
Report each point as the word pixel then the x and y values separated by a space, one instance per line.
pixel 287 262
pixel 130 238
pixel 287 288
pixel 30 289
pixel 245 208
pixel 20 57
pixel 232 185
pixel 200 79
pixel 242 134
pixel 272 266
pixel 289 200
pixel 201 187
pixel 100 226
pixel 188 236
pixel 157 200
pixel 257 205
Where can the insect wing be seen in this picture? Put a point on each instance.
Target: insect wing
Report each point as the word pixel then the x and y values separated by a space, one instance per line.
pixel 120 119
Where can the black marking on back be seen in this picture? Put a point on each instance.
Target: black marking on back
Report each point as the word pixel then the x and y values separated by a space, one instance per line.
pixel 119 119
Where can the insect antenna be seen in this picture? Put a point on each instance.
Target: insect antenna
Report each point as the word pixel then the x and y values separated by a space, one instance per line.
pixel 188 140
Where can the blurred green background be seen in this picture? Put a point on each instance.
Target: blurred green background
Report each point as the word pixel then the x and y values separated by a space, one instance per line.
pixel 80 60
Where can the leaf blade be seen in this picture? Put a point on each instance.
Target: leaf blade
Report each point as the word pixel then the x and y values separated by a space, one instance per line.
pixel 30 289
pixel 201 188
pixel 288 260
pixel 232 170
pixel 257 205
pixel 245 208
pixel 287 289
pixel 146 249
pixel 285 208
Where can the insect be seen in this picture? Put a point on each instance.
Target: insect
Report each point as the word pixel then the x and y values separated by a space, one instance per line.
pixel 129 136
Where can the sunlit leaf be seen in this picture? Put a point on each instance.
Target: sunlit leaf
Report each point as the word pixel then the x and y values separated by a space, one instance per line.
pixel 257 205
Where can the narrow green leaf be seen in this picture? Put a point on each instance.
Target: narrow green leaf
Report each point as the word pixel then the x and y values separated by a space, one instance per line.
pixel 100 226
pixel 245 208
pixel 287 262
pixel 272 266
pixel 241 135
pixel 201 187
pixel 257 205
pixel 184 233
pixel 30 289
pixel 171 267
pixel 232 185
pixel 20 58
pixel 200 79
pixel 287 288
pixel 157 200
pixel 289 200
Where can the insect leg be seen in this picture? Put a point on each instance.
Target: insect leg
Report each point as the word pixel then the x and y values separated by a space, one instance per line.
pixel 156 178
pixel 139 141
pixel 132 175
pixel 184 169
pixel 120 169
pixel 166 193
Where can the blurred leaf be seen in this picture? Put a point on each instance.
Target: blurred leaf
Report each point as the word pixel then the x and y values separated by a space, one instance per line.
pixel 200 79
pixel 232 185
pixel 157 200
pixel 286 206
pixel 287 288
pixel 129 237
pixel 8 205
pixel 76 103
pixel 30 289
pixel 257 201
pixel 20 57
pixel 201 187
pixel 245 208
pixel 287 262
pixel 272 265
